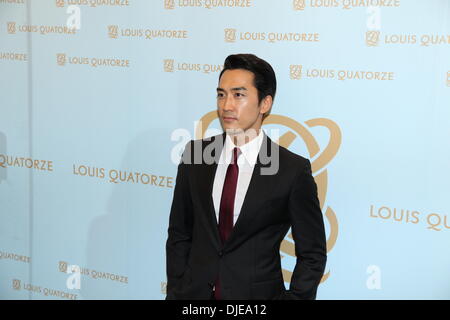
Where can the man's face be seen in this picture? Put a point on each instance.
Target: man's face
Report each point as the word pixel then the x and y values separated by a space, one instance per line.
pixel 237 102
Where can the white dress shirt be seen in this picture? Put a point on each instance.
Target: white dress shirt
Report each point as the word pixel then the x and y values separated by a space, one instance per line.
pixel 246 163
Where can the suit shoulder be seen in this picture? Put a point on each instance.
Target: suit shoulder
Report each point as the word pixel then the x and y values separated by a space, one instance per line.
pixel 292 158
pixel 193 150
pixel 203 141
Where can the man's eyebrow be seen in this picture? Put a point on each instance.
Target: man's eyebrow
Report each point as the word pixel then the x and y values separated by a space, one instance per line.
pixel 234 89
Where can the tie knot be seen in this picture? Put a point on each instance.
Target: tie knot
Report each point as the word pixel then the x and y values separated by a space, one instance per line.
pixel 236 154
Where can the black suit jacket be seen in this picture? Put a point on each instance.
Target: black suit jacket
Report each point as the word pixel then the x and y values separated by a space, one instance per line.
pixel 248 263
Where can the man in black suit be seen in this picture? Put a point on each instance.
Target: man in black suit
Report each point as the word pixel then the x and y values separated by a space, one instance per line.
pixel 236 196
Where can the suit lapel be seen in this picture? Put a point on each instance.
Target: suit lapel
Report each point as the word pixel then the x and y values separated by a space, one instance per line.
pixel 206 183
pixel 260 188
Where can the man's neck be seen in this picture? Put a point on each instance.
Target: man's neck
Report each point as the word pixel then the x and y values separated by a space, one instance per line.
pixel 240 139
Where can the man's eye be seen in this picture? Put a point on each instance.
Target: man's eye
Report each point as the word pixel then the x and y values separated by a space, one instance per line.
pixel 239 94
pixel 219 95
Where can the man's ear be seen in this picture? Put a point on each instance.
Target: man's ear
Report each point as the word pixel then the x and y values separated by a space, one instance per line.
pixel 266 105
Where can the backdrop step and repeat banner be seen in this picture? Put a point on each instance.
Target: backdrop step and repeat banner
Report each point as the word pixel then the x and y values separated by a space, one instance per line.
pixel 99 97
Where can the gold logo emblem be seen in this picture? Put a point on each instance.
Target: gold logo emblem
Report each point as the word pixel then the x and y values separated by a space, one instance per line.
pixel 320 172
pixel 11 27
pixel 63 266
pixel 299 5
pixel 168 65
pixel 372 38
pixel 60 3
pixel 169 4
pixel 230 35
pixel 113 32
pixel 448 78
pixel 61 59
pixel 16 284
pixel 295 71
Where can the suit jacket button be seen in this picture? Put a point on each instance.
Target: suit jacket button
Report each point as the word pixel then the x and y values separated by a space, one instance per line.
pixel 220 253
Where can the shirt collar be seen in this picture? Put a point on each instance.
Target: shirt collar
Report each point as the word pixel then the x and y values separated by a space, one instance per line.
pixel 249 151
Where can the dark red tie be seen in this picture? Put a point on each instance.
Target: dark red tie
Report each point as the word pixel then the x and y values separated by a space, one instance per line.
pixel 226 212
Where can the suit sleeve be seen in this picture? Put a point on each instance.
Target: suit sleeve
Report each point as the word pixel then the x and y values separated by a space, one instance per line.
pixel 179 240
pixel 309 236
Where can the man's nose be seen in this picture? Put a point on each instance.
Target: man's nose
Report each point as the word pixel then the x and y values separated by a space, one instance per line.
pixel 228 104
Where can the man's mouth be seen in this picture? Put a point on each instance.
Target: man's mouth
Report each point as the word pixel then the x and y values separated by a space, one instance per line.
pixel 229 119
